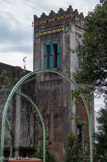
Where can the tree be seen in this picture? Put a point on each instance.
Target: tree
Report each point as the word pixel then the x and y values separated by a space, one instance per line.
pixel 101 137
pixel 73 150
pixel 93 50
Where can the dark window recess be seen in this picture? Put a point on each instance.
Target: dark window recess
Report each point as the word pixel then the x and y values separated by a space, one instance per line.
pixel 79 131
pixel 55 55
pixel 48 55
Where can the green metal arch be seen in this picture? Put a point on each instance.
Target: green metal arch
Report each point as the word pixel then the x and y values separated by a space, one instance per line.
pixel 16 87
pixel 10 129
pixel 41 118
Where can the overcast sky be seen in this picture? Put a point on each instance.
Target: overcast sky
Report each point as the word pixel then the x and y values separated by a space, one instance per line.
pixel 16 32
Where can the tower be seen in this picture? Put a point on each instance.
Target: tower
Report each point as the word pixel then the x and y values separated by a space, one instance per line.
pixel 55 36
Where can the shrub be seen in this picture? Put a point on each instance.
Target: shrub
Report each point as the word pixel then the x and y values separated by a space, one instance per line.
pixel 73 150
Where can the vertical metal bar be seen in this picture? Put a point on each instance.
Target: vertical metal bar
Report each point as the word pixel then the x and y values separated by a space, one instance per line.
pixel 41 118
pixel 90 127
pixel 10 130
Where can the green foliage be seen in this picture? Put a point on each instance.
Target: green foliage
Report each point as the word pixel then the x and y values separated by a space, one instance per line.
pixel 75 94
pixel 73 150
pixel 50 157
pixel 5 82
pixel 78 120
pixel 103 1
pixel 12 133
pixel 101 137
pixel 76 97
pixel 93 50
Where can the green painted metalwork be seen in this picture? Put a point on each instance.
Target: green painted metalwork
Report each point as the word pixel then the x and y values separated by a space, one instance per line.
pixel 48 43
pixel 41 118
pixel 10 130
pixel 16 87
pixel 90 127
pixel 40 115
pixel 55 42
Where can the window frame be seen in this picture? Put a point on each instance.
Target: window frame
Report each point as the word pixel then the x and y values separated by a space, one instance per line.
pixel 51 56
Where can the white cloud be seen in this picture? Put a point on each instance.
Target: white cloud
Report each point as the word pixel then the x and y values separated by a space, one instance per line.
pixel 82 5
pixel 17 9
pixel 16 59
pixel 85 5
pixel 16 16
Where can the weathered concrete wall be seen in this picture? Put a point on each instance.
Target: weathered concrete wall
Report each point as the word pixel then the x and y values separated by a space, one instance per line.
pixel 3 96
pixel 20 113
pixel 52 111
pixel 73 67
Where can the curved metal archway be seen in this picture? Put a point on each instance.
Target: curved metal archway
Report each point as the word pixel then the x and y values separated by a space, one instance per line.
pixel 16 87
pixel 42 122
pixel 10 129
pixel 41 118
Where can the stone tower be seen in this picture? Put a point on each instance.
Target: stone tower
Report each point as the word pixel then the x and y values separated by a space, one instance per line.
pixel 54 37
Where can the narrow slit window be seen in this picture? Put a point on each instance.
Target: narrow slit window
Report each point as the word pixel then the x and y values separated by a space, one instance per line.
pixel 79 130
pixel 79 59
pixel 55 55
pixel 48 55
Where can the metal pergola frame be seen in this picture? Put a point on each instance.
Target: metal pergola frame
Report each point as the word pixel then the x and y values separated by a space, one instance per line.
pixel 10 129
pixel 21 81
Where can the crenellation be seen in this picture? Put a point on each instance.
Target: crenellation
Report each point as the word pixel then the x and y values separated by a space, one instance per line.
pixel 43 16
pixel 76 12
pixel 81 15
pixel 36 19
pixel 52 14
pixel 70 9
pixel 61 12
pixel 61 17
